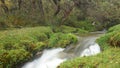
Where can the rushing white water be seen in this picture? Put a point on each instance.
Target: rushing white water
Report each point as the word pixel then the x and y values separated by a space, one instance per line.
pixel 49 59
pixel 91 50
pixel 54 57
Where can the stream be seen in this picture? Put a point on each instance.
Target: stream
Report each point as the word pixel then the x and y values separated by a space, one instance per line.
pixel 52 58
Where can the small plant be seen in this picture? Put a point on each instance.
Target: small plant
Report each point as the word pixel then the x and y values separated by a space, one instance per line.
pixel 62 40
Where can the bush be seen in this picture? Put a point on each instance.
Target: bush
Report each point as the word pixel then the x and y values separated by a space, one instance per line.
pixel 69 29
pixel 19 45
pixel 65 29
pixel 12 57
pixel 62 40
pixel 85 25
pixel 81 31
pixel 114 28
pixel 112 37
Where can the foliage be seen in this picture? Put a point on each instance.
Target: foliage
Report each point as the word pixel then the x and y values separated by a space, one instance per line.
pixel 69 29
pixel 106 12
pixel 20 45
pixel 107 59
pixel 41 12
pixel 85 24
pixel 13 57
pixel 115 28
pixel 62 40
pixel 112 37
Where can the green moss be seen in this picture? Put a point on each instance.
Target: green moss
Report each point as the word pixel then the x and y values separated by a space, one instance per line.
pixel 85 25
pixel 62 40
pixel 111 38
pixel 108 58
pixel 19 45
pixel 68 29
pixel 81 31
pixel 65 29
pixel 114 28
pixel 13 57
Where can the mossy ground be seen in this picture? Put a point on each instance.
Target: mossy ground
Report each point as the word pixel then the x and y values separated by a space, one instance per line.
pixel 20 45
pixel 108 58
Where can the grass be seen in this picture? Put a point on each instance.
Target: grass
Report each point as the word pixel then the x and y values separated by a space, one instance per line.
pixel 62 40
pixel 69 29
pixel 20 45
pixel 115 28
pixel 108 58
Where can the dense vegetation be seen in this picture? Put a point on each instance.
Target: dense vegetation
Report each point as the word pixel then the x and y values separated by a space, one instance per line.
pixel 83 14
pixel 109 58
pixel 29 26
pixel 19 45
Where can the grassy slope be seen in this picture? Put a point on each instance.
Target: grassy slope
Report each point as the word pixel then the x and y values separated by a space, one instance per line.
pixel 19 45
pixel 109 58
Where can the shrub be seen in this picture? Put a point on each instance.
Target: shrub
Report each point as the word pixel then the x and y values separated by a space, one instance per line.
pixel 13 57
pixel 85 25
pixel 19 45
pixel 65 29
pixel 81 31
pixel 69 29
pixel 114 28
pixel 112 37
pixel 115 39
pixel 62 40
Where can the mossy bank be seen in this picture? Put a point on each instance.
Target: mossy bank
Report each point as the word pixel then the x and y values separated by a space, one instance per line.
pixel 20 45
pixel 108 58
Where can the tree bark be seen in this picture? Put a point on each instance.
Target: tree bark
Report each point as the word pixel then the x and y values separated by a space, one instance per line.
pixel 41 7
pixel 19 4
pixel 57 3
pixel 5 8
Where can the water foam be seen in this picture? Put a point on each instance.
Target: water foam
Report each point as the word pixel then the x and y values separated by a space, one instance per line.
pixel 91 50
pixel 49 59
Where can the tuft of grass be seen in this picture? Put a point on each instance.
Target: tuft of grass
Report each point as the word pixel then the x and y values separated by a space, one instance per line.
pixel 68 29
pixel 62 40
pixel 84 25
pixel 112 37
pixel 114 28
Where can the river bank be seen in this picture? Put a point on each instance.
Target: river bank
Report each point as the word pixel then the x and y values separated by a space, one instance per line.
pixel 34 41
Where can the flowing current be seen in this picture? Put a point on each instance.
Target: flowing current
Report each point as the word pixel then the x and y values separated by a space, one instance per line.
pixel 52 58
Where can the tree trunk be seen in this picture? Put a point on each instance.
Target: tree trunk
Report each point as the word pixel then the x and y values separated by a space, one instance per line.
pixel 5 8
pixel 19 4
pixel 41 7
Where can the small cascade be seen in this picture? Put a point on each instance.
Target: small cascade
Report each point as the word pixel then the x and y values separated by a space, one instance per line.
pixel 52 58
pixel 91 50
pixel 49 59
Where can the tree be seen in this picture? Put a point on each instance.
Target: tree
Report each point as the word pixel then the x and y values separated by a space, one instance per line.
pixel 3 5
